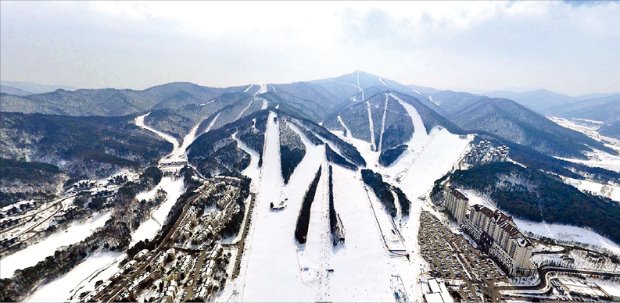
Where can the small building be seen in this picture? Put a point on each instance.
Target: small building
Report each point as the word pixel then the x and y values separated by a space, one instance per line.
pixel 437 292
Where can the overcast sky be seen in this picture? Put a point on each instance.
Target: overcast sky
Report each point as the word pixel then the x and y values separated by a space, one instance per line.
pixel 565 47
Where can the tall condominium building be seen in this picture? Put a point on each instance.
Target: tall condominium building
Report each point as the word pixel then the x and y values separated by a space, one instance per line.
pixel 495 232
pixel 456 203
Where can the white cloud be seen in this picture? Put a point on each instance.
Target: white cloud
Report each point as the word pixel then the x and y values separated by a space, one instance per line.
pixel 482 45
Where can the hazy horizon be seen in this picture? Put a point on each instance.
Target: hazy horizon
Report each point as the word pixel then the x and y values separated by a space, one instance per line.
pixel 565 47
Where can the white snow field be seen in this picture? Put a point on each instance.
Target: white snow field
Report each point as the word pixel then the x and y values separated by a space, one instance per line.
pixel 428 157
pixel 611 191
pixel 104 266
pixel 275 268
pixel 32 254
pixel 270 269
pixel 245 108
pixel 567 233
pixel 597 158
pixel 362 267
pixel 62 288
pixel 174 188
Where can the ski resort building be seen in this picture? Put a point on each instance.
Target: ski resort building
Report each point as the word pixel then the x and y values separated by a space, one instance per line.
pixel 495 232
pixel 456 203
pixel 498 235
pixel 484 152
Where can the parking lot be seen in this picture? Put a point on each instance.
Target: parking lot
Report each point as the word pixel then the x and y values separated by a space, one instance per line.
pixel 468 273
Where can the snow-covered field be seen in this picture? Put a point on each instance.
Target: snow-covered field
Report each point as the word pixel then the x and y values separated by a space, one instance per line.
pixel 63 288
pixel 270 269
pixel 567 233
pixel 32 254
pixel 148 229
pixel 363 267
pixel 611 191
pixel 596 158
pixel 612 288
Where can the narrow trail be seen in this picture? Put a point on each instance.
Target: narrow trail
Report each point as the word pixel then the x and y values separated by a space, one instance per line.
pixel 248 88
pixel 139 121
pixel 359 87
pixel 371 125
pixel 348 134
pixel 324 285
pixel 245 108
pixel 210 126
pixel 383 123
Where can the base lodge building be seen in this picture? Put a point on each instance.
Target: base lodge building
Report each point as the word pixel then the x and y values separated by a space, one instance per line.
pixel 494 231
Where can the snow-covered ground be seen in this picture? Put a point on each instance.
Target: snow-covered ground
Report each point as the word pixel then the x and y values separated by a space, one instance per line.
pixel 596 158
pixel 62 288
pixel 611 190
pixel 189 138
pixel 363 267
pixel 430 98
pixel 428 157
pixel 612 288
pixel 148 229
pixel 32 254
pixel 102 267
pixel 567 233
pixel 178 153
pixel 270 269
pixel 248 88
pixel 599 159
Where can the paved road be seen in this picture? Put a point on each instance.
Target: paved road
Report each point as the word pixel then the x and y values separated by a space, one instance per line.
pixel 545 270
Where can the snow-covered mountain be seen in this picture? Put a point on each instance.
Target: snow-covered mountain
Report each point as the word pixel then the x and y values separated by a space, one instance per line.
pixel 329 179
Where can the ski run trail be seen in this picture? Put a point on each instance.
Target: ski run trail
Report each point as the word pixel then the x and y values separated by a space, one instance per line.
pixel 359 87
pixel 429 156
pixel 348 131
pixel 261 90
pixel 367 266
pixel 383 122
pixel 371 125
